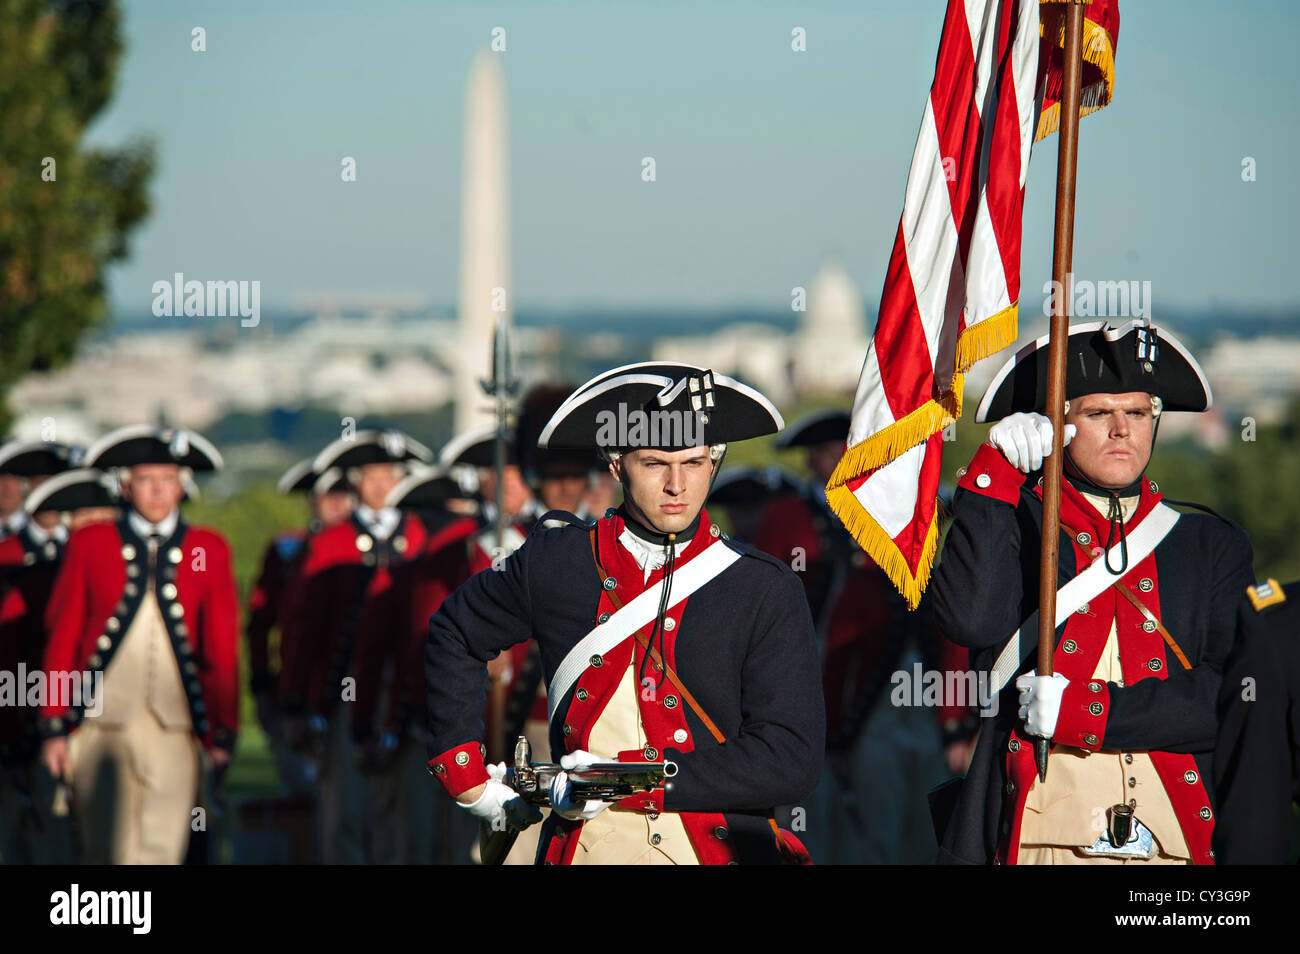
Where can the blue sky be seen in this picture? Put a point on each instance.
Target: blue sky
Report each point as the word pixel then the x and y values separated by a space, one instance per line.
pixel 769 161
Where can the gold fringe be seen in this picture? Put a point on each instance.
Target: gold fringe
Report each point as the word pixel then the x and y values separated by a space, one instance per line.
pixel 882 549
pixel 1098 51
pixel 988 336
pixel 888 444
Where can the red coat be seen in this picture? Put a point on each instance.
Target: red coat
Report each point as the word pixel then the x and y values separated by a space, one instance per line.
pixel 281 564
pixel 98 592
pixel 349 607
pixel 27 573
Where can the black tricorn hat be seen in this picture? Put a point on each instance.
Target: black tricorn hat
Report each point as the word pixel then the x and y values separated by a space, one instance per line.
pixel 427 487
pixel 475 448
pixel 299 478
pixel 819 427
pixel 73 490
pixel 37 458
pixel 1100 359
pixel 750 485
pixel 333 481
pixel 661 405
pixel 373 446
pixel 145 444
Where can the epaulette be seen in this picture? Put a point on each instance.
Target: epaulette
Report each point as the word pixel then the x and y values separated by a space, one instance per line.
pixel 1264 595
pixel 556 518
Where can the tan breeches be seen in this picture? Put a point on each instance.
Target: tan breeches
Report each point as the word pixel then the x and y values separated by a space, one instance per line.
pixel 134 790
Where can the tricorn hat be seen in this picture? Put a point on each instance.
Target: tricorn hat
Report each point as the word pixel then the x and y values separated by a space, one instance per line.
pixel 662 405
pixel 144 444
pixel 73 490
pixel 819 427
pixel 427 487
pixel 299 478
pixel 750 485
pixel 373 446
pixel 37 458
pixel 1100 359
pixel 475 448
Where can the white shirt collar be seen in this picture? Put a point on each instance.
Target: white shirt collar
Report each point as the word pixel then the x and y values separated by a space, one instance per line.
pixel 649 556
pixel 144 529
pixel 381 523
pixel 39 535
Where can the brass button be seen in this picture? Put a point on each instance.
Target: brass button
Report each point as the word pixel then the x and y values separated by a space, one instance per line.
pixel 582 695
pixel 95 661
pixel 651 753
pixel 462 758
pixel 1094 687
pixel 364 543
pixel 1155 665
pixel 399 544
pixel 714 531
pixel 104 642
pixel 1205 813
pixel 1084 539
pixel 113 624
pixel 670 624
pixel 128 552
pixel 670 702
pixel 656 838
pixel 168 591
pixel 1128 758
pixel 602 618
pixel 1155 488
pixel 596 661
pixel 1190 777
pixel 1070 646
pixel 1011 787
pixel 130 589
pixel 1090 739
pixel 182 629
pixel 1132 782
pixel 132 570
pixel 1145 585
pixel 1014 745
pixel 982 481
pixel 680 736
pixel 610 583
pixel 568 729
pixel 720 833
pixel 1096 708
pixel 176 611
pixel 1084 609
pixel 1149 626
pixel 439 769
pixel 654 816
pixel 174 555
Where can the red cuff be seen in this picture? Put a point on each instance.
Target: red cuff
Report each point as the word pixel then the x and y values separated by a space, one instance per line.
pixel 991 475
pixel 1085 706
pixel 461 768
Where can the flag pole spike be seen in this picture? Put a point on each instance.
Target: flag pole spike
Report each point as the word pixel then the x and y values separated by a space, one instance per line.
pixel 1062 255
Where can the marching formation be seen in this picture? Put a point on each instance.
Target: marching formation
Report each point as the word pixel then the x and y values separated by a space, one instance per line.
pixel 399 644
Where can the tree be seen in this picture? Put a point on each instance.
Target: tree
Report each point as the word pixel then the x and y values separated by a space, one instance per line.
pixel 66 210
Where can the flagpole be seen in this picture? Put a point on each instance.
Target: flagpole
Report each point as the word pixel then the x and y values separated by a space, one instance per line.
pixel 1062 254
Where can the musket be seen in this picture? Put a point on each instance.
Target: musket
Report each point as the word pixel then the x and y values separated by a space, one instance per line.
pixel 502 388
pixel 602 781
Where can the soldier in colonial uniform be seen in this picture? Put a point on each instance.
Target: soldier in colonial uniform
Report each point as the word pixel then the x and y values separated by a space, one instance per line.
pixel 1147 608
pixel 1257 760
pixel 659 640
pixel 30 554
pixel 426 828
pixel 348 608
pixel 148 604
pixel 274 603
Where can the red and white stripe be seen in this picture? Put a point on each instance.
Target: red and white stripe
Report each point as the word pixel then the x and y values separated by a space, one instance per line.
pixel 956 257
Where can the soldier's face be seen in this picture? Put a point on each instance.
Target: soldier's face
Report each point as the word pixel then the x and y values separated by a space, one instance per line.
pixel 514 490
pixel 665 489
pixel 333 507
pixel 375 481
pixel 154 490
pixel 561 487
pixel 12 490
pixel 1113 443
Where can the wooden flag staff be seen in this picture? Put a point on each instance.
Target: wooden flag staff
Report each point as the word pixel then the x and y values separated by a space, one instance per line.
pixel 1062 253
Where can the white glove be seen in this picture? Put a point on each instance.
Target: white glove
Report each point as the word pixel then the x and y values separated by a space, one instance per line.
pixel 500 805
pixel 1025 439
pixel 561 803
pixel 1040 702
